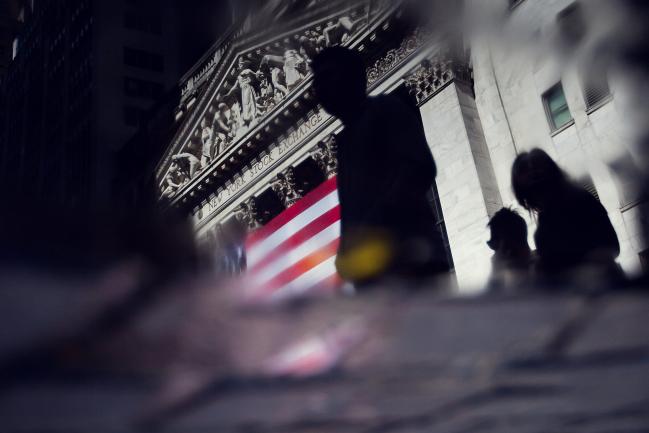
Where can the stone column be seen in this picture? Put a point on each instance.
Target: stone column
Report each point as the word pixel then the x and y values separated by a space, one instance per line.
pixel 466 182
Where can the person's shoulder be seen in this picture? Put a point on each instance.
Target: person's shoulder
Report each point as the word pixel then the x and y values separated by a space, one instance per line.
pixel 386 101
pixel 580 195
pixel 389 105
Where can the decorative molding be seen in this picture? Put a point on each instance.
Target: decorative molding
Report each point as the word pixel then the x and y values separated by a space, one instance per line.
pixel 258 82
pixel 433 75
pixel 395 56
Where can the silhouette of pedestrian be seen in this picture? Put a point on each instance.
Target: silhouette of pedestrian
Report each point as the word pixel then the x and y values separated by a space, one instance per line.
pixel 385 170
pixel 573 227
pixel 512 260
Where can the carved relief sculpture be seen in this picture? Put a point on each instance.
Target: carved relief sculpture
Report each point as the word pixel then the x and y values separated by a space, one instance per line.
pixel 432 75
pixel 221 129
pixel 188 165
pixel 207 140
pixel 248 95
pixel 260 83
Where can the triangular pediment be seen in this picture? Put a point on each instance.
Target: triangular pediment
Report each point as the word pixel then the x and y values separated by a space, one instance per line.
pixel 248 84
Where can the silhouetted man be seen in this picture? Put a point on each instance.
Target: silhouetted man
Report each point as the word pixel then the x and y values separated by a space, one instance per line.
pixel 385 171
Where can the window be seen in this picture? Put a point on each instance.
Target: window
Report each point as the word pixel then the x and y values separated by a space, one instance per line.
pixel 556 107
pixel 572 24
pixel 595 89
pixel 142 89
pixel 143 59
pixel 587 183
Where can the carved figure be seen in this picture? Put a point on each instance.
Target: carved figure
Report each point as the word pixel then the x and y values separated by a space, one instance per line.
pixel 207 139
pixel 236 123
pixel 188 164
pixel 293 63
pixel 340 31
pixel 280 89
pixel 169 187
pixel 248 95
pixel 222 131
pixel 266 99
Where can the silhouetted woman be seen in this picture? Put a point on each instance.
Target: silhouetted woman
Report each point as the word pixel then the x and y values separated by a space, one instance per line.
pixel 573 227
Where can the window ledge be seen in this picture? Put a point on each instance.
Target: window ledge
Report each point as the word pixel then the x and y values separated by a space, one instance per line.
pixel 563 128
pixel 599 105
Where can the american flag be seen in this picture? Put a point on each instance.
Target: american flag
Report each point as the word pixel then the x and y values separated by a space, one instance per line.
pixel 294 254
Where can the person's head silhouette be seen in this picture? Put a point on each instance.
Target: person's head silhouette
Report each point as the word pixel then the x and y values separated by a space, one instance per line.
pixel 536 179
pixel 508 234
pixel 339 81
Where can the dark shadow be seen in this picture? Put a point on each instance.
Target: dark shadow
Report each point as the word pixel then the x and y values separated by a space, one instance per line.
pixel 385 170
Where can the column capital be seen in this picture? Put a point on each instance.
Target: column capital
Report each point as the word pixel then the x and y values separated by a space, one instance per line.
pixel 434 74
pixel 285 187
pixel 324 154
pixel 247 213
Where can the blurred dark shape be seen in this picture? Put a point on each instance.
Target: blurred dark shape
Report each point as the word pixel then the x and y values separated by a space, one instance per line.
pixel 385 170
pixel 226 248
pixel 512 260
pixel 573 227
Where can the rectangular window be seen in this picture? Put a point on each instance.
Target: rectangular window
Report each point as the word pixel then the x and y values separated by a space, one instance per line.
pixel 556 107
pixel 143 59
pixel 587 183
pixel 572 24
pixel 595 88
pixel 142 89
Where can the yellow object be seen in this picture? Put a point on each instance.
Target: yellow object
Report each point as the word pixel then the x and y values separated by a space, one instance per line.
pixel 366 259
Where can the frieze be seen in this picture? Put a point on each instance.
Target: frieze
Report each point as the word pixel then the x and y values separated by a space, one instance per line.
pixel 263 164
pixel 257 83
pixel 396 56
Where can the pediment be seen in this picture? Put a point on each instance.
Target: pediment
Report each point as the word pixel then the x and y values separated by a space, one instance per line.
pixel 252 80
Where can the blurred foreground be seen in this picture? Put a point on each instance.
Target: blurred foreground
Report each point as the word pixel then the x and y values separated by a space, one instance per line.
pixel 195 359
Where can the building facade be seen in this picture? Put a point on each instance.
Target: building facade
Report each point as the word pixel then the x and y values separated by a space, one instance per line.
pixel 253 141
pixel 81 76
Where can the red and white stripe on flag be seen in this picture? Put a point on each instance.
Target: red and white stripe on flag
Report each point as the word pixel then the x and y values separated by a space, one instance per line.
pixel 294 254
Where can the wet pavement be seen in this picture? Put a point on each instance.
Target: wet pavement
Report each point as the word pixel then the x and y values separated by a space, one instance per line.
pixel 380 362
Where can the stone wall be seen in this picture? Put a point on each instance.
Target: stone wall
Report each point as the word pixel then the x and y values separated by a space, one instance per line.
pixel 512 71
pixel 465 180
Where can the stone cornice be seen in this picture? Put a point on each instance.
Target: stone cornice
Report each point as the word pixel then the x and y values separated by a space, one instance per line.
pixel 241 47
